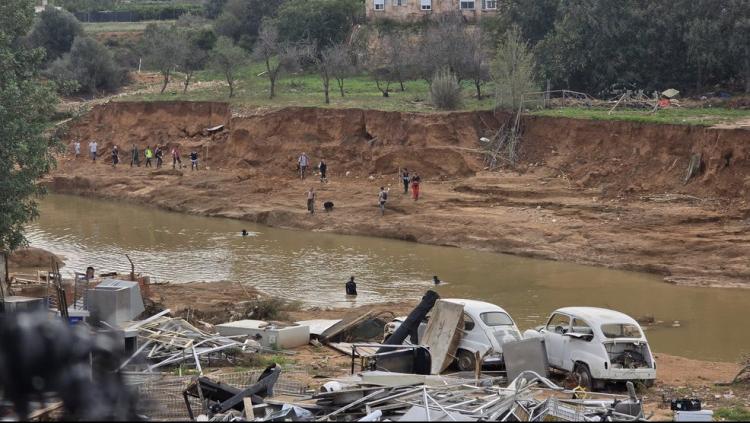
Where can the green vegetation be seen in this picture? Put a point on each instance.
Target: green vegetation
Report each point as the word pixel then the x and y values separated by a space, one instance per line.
pixel 733 414
pixel 679 116
pixel 100 27
pixel 252 90
pixel 26 107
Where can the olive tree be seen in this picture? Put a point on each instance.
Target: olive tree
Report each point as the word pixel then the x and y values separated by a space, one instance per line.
pixel 163 47
pixel 226 58
pixel 277 55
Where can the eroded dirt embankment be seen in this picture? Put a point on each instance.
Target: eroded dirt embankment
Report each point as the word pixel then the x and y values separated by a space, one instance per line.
pixel 603 193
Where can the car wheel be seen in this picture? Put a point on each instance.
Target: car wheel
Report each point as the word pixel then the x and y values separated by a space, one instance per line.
pixel 583 377
pixel 465 361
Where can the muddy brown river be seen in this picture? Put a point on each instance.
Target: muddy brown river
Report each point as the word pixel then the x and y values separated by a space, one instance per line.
pixel 313 267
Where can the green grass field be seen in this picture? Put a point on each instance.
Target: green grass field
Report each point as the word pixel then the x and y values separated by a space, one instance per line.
pixel 252 90
pixel 681 116
pixel 99 27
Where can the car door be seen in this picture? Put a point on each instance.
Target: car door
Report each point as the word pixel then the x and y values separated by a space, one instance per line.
pixel 555 339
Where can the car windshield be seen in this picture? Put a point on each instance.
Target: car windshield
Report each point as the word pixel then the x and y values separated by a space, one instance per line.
pixel 621 330
pixel 496 318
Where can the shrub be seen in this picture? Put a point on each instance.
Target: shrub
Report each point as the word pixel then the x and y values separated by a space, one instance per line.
pixel 91 65
pixel 445 91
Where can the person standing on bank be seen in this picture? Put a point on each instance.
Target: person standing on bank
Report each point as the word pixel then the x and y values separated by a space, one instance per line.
pixel 92 150
pixel 149 154
pixel 77 147
pixel 303 162
pixel 134 156
pixel 415 181
pixel 323 167
pixel 115 156
pixel 405 180
pixel 382 198
pixel 311 200
pixel 351 287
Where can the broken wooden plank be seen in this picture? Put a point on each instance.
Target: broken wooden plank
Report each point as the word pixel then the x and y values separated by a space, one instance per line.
pixel 442 335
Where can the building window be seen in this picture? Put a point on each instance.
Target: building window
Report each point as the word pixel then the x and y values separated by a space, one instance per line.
pixel 489 4
pixel 399 2
pixel 426 4
pixel 379 4
pixel 467 4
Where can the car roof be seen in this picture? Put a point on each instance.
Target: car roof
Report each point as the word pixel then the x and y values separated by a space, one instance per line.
pixel 597 315
pixel 476 305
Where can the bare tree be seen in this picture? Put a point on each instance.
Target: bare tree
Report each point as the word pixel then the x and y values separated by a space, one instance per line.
pixel 278 56
pixel 475 64
pixel 325 61
pixel 401 54
pixel 445 45
pixel 340 58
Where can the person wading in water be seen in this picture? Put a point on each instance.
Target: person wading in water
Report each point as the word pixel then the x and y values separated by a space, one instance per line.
pixel 351 287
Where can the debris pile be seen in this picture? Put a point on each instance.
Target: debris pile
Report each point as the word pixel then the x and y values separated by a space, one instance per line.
pixel 384 396
pixel 166 341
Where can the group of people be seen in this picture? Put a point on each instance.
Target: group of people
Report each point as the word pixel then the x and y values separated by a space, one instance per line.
pixel 149 155
pixel 303 163
pixel 409 179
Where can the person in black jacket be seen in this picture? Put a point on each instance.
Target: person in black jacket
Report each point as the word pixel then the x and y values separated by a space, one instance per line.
pixel 351 287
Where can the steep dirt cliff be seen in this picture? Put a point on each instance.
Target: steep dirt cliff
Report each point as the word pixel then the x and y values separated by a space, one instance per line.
pixel 602 193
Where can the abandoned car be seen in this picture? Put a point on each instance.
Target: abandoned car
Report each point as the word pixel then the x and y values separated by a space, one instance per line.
pixel 596 345
pixel 486 328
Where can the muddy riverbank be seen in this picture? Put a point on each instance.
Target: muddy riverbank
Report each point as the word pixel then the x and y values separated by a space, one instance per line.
pixel 602 193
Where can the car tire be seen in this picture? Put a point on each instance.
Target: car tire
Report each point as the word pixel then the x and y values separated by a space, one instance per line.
pixel 582 376
pixel 465 361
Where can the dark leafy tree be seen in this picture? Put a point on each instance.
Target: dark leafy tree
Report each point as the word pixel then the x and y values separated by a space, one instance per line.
pixel 320 22
pixel 241 20
pixel 55 30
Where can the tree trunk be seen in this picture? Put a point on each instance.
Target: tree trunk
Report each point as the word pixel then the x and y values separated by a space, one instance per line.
pixel 341 86
pixel 478 84
pixel 166 81
pixel 747 72
pixel 325 89
pixel 272 77
pixel 187 81
pixel 230 81
pixel 402 85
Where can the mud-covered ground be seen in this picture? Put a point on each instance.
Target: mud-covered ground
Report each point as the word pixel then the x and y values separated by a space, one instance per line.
pixel 536 213
pixel 677 377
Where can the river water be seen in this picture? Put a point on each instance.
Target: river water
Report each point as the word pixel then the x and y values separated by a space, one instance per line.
pixel 313 267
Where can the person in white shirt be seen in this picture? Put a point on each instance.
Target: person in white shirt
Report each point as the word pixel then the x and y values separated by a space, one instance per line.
pixel 77 148
pixel 92 149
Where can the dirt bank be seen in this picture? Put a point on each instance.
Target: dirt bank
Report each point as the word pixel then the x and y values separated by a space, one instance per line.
pixel 601 193
pixel 31 258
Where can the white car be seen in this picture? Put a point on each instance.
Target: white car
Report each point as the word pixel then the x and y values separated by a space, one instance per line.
pixel 486 328
pixel 597 345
